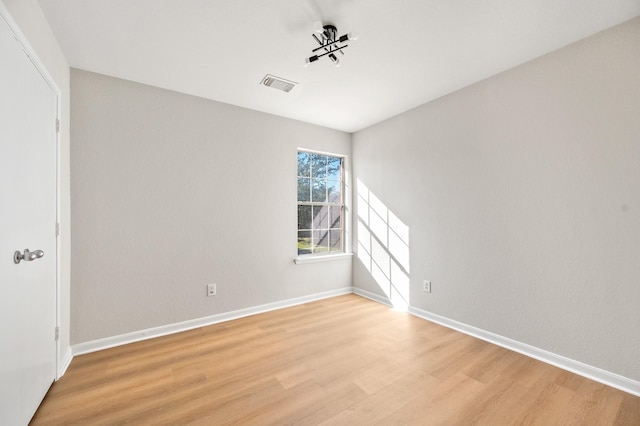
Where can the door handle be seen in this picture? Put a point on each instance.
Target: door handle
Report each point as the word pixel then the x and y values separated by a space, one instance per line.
pixel 27 256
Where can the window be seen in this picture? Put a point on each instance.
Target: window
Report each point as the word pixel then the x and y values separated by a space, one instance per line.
pixel 320 203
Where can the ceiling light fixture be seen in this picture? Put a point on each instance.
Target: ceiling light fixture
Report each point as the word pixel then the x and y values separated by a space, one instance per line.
pixel 329 44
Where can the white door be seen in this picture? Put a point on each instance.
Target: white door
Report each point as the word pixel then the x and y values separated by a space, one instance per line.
pixel 28 110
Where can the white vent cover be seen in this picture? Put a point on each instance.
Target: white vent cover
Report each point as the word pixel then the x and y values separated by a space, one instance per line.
pixel 278 83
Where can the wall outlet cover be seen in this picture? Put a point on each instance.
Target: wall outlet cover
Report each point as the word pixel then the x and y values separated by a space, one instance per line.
pixel 211 290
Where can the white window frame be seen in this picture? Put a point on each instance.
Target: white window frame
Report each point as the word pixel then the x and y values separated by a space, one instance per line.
pixel 345 204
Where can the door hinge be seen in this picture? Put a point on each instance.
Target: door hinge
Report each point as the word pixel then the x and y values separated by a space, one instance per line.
pixel 57 333
pixel 57 125
pixel 57 229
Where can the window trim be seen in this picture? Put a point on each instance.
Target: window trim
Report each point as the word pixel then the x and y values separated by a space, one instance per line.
pixel 321 257
pixel 346 251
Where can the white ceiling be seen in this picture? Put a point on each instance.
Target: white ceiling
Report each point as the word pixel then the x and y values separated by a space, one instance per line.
pixel 408 52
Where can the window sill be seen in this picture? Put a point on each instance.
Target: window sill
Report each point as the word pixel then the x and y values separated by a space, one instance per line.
pixel 321 258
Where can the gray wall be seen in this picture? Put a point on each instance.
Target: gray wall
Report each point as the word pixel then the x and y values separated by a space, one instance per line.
pixel 32 23
pixel 171 192
pixel 522 198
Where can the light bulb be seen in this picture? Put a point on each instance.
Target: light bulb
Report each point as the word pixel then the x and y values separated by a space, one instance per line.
pixel 310 59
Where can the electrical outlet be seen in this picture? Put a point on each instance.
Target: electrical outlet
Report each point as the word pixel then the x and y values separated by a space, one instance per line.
pixel 211 290
pixel 426 286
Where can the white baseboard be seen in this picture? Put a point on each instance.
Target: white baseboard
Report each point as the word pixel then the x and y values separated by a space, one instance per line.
pixel 136 336
pixel 597 374
pixel 64 363
pixel 373 296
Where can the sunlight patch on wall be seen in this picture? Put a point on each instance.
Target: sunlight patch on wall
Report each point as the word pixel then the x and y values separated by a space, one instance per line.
pixel 383 246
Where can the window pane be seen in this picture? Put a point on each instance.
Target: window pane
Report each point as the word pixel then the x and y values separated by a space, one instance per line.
pixel 320 209
pixel 320 241
pixel 320 217
pixel 333 168
pixel 304 217
pixel 304 242
pixel 335 240
pixel 318 166
pixel 304 189
pixel 303 164
pixel 319 191
pixel 335 217
pixel 333 190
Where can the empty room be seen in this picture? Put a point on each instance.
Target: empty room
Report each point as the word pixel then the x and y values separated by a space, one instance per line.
pixel 336 212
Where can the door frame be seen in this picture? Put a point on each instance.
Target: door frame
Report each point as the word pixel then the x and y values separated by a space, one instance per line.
pixel 37 63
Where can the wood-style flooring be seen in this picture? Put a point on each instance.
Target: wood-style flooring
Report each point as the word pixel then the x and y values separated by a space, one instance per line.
pixel 339 361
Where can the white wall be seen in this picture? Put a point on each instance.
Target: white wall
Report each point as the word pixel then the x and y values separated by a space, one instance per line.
pixel 33 25
pixel 522 198
pixel 171 192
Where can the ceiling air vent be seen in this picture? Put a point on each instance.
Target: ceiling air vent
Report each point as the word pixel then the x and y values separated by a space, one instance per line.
pixel 278 83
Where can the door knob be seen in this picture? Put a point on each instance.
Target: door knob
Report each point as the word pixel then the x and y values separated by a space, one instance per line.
pixel 27 255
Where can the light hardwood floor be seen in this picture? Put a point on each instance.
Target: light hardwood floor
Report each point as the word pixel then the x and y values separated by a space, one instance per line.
pixel 340 361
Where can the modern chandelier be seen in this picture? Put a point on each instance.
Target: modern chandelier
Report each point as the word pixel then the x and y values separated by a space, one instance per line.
pixel 330 44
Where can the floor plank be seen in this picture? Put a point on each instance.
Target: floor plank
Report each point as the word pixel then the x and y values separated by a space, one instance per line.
pixel 339 361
